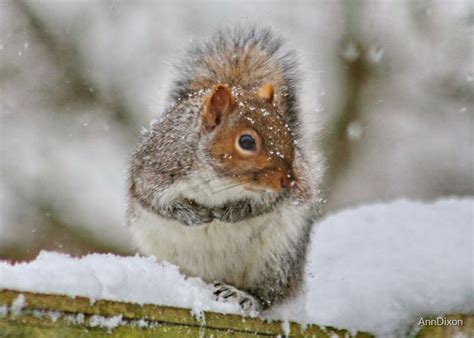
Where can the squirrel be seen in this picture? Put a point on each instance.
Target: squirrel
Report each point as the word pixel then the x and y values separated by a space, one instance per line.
pixel 221 184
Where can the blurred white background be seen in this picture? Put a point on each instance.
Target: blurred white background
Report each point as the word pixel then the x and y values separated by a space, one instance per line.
pixel 387 94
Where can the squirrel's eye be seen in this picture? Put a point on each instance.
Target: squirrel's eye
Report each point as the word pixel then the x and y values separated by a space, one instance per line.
pixel 247 142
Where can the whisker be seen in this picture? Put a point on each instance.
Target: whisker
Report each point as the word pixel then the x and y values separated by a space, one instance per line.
pixel 199 185
pixel 233 186
pixel 222 184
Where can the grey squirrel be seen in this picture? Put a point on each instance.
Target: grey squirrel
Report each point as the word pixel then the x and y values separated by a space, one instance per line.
pixel 221 184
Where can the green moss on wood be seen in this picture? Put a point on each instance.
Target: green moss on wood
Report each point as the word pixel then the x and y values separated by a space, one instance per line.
pixel 162 321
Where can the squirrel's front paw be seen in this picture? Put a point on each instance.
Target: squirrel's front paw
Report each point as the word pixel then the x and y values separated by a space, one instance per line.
pixel 190 213
pixel 233 212
pixel 228 293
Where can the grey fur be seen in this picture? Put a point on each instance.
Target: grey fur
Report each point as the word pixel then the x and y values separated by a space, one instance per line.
pixel 277 284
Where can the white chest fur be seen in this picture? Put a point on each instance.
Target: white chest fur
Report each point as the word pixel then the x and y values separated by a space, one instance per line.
pixel 235 253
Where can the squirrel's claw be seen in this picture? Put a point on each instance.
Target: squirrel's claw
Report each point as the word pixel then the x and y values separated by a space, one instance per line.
pixel 227 293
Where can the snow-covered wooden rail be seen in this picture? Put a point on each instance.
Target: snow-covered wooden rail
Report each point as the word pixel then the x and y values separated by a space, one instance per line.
pixel 24 314
pixel 42 315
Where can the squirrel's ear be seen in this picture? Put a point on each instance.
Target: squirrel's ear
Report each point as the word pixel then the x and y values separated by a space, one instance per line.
pixel 265 93
pixel 218 106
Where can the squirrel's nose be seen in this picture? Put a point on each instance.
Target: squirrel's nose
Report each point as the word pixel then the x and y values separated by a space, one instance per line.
pixel 280 180
pixel 285 181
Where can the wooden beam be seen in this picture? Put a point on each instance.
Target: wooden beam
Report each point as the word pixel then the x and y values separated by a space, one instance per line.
pixel 47 315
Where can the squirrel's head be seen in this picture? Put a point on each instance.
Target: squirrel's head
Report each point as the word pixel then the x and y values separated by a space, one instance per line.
pixel 250 141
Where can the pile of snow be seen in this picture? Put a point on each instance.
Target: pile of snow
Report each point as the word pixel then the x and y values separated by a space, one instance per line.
pixel 376 268
pixel 379 268
pixel 140 280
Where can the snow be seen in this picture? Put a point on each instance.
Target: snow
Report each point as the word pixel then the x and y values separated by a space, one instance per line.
pixel 3 310
pixel 52 315
pixel 17 305
pixel 105 276
pixel 351 52
pixel 105 322
pixel 376 268
pixel 76 319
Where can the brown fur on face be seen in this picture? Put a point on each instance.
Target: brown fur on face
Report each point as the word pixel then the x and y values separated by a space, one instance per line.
pixel 270 166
